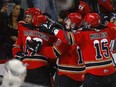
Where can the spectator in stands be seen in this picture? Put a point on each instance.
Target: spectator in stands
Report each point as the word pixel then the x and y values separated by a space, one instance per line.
pixel 43 5
pixel 3 28
pixel 11 4
pixel 3 33
pixel 16 15
pixel 114 3
pixel 29 3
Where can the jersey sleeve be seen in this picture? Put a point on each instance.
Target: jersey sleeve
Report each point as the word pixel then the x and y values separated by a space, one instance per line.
pixel 52 40
pixel 112 33
pixel 110 25
pixel 58 49
pixel 61 47
pixel 17 47
pixel 112 30
pixel 61 35
pixel 48 52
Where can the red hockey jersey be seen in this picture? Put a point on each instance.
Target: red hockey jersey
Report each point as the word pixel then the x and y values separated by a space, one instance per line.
pixel 70 61
pixel 71 64
pixel 95 50
pixel 36 60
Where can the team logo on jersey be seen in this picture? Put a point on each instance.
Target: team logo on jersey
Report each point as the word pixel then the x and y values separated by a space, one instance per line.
pixel 33 45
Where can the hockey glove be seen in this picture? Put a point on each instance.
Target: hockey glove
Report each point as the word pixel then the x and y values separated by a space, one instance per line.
pixel 46 30
pixel 19 56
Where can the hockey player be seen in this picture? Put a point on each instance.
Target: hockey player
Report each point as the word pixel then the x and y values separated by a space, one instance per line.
pixel 94 41
pixel 98 60
pixel 71 67
pixel 103 55
pixel 27 49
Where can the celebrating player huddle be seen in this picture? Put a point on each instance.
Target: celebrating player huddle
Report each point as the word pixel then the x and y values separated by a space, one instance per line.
pixel 81 47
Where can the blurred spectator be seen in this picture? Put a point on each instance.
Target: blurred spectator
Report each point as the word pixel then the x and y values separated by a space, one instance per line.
pixel 11 4
pixel 43 5
pixel 46 6
pixel 17 1
pixel 29 3
pixel 3 28
pixel 16 15
pixel 114 3
pixel 10 7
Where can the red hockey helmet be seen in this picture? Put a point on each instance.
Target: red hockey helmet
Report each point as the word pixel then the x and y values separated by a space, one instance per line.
pixel 33 11
pixel 92 19
pixel 75 18
pixel 38 20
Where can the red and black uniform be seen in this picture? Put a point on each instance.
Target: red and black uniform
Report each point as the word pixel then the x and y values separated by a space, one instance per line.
pixel 71 63
pixel 99 54
pixel 36 63
pixel 71 67
pixel 96 52
pixel 21 45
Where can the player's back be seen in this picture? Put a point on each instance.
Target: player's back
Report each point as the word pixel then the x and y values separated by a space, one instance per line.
pixel 71 64
pixel 27 34
pixel 95 46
